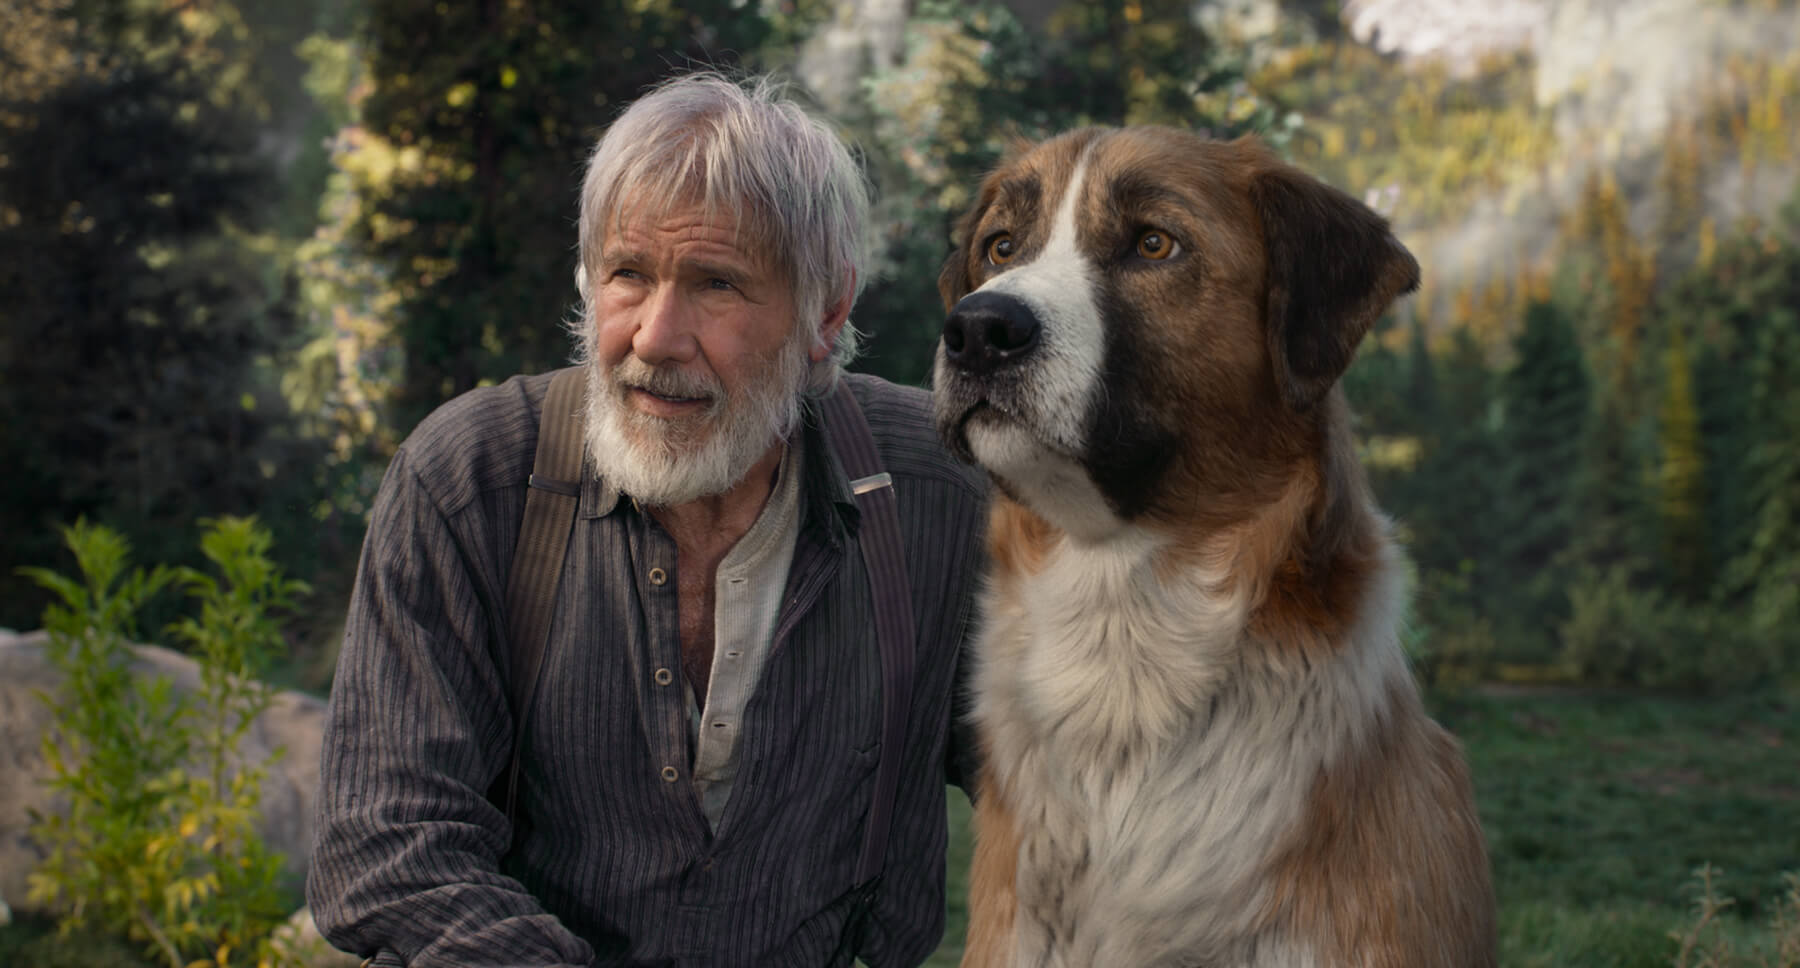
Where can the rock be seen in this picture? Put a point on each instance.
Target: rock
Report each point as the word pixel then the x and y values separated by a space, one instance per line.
pixel 293 723
pixel 300 936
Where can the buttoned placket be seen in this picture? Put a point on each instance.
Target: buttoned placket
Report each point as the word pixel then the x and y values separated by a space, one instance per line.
pixel 818 555
pixel 653 563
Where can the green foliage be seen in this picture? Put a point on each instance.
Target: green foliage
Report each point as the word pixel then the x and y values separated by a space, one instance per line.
pixel 481 144
pixel 975 82
pixel 140 310
pixel 1434 140
pixel 1768 569
pixel 1681 491
pixel 1449 503
pixel 1545 399
pixel 34 942
pixel 1706 945
pixel 1613 524
pixel 1739 308
pixel 1595 807
pixel 1451 641
pixel 1622 632
pixel 157 841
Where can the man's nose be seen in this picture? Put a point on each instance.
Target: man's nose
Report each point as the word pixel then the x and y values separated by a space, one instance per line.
pixel 665 331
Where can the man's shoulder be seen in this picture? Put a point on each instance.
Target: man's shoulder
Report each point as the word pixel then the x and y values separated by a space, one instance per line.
pixel 900 418
pixel 480 440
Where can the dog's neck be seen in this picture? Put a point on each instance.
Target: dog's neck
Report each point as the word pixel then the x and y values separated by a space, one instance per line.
pixel 1292 569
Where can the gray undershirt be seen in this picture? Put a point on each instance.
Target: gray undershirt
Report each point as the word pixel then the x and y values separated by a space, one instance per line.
pixel 747 601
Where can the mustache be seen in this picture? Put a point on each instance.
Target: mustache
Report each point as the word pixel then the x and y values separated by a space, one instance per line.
pixel 668 380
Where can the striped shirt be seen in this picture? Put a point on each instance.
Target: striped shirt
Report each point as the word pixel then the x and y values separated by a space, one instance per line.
pixel 614 862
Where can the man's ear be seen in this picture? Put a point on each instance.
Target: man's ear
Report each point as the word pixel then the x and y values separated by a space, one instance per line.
pixel 1333 268
pixel 836 315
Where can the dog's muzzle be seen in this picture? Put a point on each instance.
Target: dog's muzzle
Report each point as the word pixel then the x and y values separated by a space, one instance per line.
pixel 989 330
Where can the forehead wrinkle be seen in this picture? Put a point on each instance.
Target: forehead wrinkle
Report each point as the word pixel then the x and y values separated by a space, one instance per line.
pixel 739 223
pixel 705 246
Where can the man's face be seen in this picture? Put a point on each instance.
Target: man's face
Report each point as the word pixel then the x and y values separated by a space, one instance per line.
pixel 698 361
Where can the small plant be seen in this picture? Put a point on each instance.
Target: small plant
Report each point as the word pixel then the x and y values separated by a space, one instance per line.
pixel 1705 945
pixel 157 840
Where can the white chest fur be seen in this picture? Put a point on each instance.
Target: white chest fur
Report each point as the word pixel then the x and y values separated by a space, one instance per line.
pixel 1127 709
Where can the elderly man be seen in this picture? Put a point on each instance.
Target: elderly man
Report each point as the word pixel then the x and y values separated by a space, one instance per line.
pixel 699 758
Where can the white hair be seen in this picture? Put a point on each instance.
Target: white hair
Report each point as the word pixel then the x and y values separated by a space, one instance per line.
pixel 747 149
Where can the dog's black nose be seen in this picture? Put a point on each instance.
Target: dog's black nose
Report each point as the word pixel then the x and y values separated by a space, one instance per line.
pixel 988 330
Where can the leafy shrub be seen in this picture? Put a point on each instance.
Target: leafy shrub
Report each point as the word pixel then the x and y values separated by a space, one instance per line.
pixel 1450 642
pixel 1621 634
pixel 34 942
pixel 157 840
pixel 1705 945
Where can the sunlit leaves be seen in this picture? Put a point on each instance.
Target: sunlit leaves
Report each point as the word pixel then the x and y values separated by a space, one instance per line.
pixel 156 836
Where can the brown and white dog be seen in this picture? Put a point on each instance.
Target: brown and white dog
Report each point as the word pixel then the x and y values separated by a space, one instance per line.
pixel 1203 745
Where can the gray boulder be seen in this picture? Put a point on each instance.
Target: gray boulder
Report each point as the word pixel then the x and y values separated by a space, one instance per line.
pixel 293 723
pixel 301 938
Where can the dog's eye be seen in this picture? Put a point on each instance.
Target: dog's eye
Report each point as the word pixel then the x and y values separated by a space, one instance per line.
pixel 1000 249
pixel 1155 245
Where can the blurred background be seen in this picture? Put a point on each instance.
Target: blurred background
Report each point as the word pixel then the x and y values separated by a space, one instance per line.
pixel 245 245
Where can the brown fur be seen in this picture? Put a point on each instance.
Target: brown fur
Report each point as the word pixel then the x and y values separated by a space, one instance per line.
pixel 1414 863
pixel 992 898
pixel 1017 540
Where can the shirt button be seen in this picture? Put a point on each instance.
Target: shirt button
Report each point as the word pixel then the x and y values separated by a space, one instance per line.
pixel 669 774
pixel 658 576
pixel 664 677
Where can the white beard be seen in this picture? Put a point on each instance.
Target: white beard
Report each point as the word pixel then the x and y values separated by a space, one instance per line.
pixel 668 461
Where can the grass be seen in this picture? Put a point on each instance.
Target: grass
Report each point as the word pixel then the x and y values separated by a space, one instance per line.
pixel 1598 809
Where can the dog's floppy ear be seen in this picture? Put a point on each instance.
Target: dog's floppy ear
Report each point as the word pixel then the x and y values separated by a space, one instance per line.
pixel 1333 268
pixel 954 282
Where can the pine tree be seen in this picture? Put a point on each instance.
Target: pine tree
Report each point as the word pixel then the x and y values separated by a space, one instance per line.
pixel 135 320
pixel 1453 498
pixel 1681 495
pixel 1544 399
pixel 1725 306
pixel 1610 524
pixel 1421 393
pixel 1768 570
pixel 490 134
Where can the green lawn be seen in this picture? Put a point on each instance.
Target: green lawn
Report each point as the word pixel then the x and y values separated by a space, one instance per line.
pixel 1598 808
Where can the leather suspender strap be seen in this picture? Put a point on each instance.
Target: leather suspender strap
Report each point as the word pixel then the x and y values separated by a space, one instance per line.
pixel 879 538
pixel 554 489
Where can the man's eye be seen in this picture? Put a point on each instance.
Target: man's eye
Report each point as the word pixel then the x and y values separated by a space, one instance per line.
pixel 719 284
